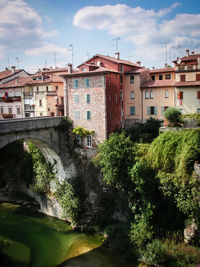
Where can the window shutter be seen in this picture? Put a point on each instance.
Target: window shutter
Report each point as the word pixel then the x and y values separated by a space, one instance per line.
pixel 88 98
pixel 75 83
pixel 180 95
pixel 198 94
pixel 162 110
pixel 148 111
pixel 155 109
pixel 87 83
pixel 132 110
pixel 88 115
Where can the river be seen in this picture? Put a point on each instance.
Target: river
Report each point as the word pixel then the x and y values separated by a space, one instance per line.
pixel 38 240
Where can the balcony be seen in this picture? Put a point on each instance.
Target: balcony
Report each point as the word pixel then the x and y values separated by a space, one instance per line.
pixel 11 99
pixel 51 93
pixel 29 108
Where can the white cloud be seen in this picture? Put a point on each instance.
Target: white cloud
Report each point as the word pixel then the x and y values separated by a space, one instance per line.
pixel 47 48
pixel 147 29
pixel 21 28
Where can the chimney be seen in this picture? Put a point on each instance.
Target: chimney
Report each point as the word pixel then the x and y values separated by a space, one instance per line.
pixel 193 52
pixel 187 52
pixel 166 65
pixel 6 68
pixel 139 63
pixel 117 55
pixel 51 68
pixel 69 67
pixel 13 69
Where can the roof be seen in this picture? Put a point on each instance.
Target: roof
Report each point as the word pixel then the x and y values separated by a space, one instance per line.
pixel 91 72
pixel 5 73
pixel 162 70
pixel 49 79
pixel 137 71
pixel 115 60
pixel 16 82
pixel 182 84
pixel 192 57
pixel 159 83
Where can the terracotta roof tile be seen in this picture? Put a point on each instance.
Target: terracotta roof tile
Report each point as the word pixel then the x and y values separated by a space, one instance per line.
pixel 162 70
pixel 17 82
pixel 196 83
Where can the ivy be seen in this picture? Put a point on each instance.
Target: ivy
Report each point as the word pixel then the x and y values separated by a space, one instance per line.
pixel 82 132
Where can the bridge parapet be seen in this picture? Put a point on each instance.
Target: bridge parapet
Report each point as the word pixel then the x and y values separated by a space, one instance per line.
pixel 28 124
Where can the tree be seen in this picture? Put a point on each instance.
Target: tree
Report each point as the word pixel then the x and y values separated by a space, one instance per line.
pixel 116 157
pixel 173 116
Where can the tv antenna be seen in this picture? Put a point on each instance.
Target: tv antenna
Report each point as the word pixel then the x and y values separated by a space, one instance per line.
pixel 71 45
pixel 116 40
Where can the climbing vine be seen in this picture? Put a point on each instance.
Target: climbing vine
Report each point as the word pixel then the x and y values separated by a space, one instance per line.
pixel 82 132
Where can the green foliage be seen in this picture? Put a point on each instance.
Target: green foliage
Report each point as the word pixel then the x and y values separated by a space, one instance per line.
pixel 43 171
pixel 173 155
pixel 116 157
pixel 82 132
pixel 173 116
pixel 70 196
pixel 141 232
pixel 155 254
pixel 65 125
pixel 144 132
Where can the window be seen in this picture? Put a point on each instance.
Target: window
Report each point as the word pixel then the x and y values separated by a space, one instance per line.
pixel 89 140
pixel 182 78
pixel 87 98
pixel 166 94
pixel 121 96
pixel 121 78
pixel 163 109
pixel 10 110
pixel 40 103
pixel 168 76
pixel 153 77
pixel 1 109
pixel 47 88
pixel 87 83
pixel 62 100
pixel 41 114
pixel 132 111
pixel 121 67
pixel 75 83
pixel 18 111
pixel 84 69
pixel 151 110
pixel 146 94
pixel 198 110
pixel 77 114
pixel 88 115
pixel 198 95
pixel 160 77
pixel 180 95
pixel 37 89
pixel 56 87
pixel 151 94
pixel 76 98
pixel 132 78
pixel 132 94
pixel 197 77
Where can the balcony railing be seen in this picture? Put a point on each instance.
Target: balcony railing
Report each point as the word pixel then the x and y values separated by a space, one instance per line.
pixel 10 99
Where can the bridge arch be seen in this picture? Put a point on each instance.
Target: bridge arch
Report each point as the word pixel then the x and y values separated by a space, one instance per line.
pixel 45 135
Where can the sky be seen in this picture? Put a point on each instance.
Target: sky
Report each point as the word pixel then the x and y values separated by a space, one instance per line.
pixel 43 33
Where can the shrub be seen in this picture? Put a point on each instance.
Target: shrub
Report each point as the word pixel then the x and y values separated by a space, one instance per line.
pixel 155 254
pixel 173 116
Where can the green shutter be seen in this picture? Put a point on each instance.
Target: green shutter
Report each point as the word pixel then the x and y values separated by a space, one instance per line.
pixel 155 108
pixel 148 111
pixel 76 98
pixel 88 98
pixel 87 82
pixel 162 110
pixel 132 110
pixel 88 115
pixel 75 83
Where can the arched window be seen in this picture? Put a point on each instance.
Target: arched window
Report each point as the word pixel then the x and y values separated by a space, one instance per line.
pixel 132 94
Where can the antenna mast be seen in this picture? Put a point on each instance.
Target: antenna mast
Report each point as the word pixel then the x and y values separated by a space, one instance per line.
pixel 116 40
pixel 71 45
pixel 54 59
pixel 17 62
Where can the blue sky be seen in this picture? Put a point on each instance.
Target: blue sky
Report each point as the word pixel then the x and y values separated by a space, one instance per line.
pixel 38 33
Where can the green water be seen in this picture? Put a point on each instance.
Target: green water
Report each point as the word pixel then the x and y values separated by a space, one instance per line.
pixel 42 241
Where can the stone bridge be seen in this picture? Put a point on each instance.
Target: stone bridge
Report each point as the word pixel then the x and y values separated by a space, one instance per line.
pixel 44 133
